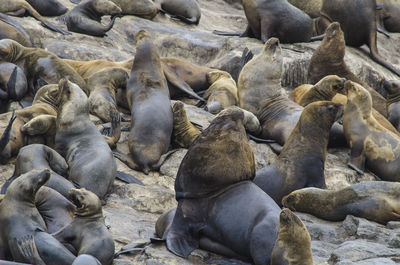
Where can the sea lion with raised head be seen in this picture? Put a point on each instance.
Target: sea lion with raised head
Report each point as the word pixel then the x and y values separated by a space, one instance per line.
pixel 293 246
pixel 10 29
pixel 141 8
pixel 151 113
pixel 20 219
pixel 372 145
pixel 49 8
pixel 328 59
pixel 85 18
pixel 87 233
pixel 89 158
pixel 302 160
pixel 374 200
pixel 186 10
pixel 184 131
pixel 392 88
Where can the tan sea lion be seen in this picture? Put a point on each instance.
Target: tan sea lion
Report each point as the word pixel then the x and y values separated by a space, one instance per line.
pixel 302 160
pixel 310 7
pixel 21 7
pixel 250 121
pixel 87 233
pixel 10 29
pixel 392 88
pixel 151 113
pixel 85 18
pixel 372 145
pixel 142 8
pixel 374 200
pixel 222 93
pixel 293 246
pixel 328 59
pixel 186 10
pixel 184 132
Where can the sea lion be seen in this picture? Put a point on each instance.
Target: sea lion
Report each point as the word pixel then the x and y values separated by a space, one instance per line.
pixel 328 59
pixel 184 132
pixel 49 8
pixel 21 7
pixel 90 160
pixel 310 7
pixel 38 63
pixel 87 233
pixel 85 18
pixel 20 218
pixel 86 259
pixel 10 29
pixel 141 8
pixel 302 160
pixel 270 18
pixel 151 113
pixel 392 88
pixel 374 200
pixel 372 145
pixel 358 30
pixel 103 86
pixel 186 10
pixel 260 78
pixel 222 93
pixel 13 81
pixel 293 245
pixel 389 15
pixel 250 121
pixel 210 196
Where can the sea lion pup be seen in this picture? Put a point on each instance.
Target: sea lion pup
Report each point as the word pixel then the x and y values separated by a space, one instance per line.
pixel 38 63
pixel 90 160
pixel 87 233
pixel 293 246
pixel 328 59
pixel 152 119
pixel 186 10
pixel 103 85
pixel 21 7
pixel 222 93
pixel 302 160
pixel 49 8
pixel 371 144
pixel 85 18
pixel 392 88
pixel 374 200
pixel 38 156
pixel 210 196
pixel 310 7
pixel 11 29
pixel 20 218
pixel 389 16
pixel 260 78
pixel 358 30
pixel 141 8
pixel 184 132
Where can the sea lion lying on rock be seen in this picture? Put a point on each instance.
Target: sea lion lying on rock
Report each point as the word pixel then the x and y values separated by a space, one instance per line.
pixel 186 10
pixel 10 29
pixel 49 8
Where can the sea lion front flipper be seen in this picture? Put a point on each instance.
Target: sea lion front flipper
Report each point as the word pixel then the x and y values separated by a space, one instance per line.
pixel 382 31
pixel 44 22
pixel 163 158
pixel 39 125
pixel 128 251
pixel 225 33
pixel 115 130
pixel 56 161
pixel 5 138
pixel 24 250
pixel 186 20
pixel 357 158
pixel 12 83
pixel 259 140
pixel 128 178
pixel 8 182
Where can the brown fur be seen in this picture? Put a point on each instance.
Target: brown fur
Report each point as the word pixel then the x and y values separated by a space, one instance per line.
pixel 8 31
pixel 184 132
pixel 142 8
pixel 392 88
pixel 310 7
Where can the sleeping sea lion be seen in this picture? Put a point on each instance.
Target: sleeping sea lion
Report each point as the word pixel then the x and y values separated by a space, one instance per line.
pixel 10 29
pixel 186 10
pixel 310 7
pixel 49 8
pixel 141 8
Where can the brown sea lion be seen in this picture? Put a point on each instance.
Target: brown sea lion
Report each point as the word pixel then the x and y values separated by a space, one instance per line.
pixel 211 196
pixel 21 7
pixel 302 160
pixel 390 15
pixel 85 18
pixel 38 63
pixel 310 7
pixel 141 8
pixel 328 59
pixel 372 145
pixel 392 88
pixel 20 218
pixel 374 200
pixel 222 93
pixel 358 30
pixel 10 29
pixel 151 113
pixel 186 10
pixel 184 131
pixel 49 8
pixel 293 246
pixel 90 160
pixel 250 121
pixel 87 233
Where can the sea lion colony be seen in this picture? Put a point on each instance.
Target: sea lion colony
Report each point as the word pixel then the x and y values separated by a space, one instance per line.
pixel 51 207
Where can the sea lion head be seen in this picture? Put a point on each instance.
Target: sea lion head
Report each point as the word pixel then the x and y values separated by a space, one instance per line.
pixel 24 188
pixel 10 50
pixel 288 218
pixel 106 7
pixel 334 40
pixel 392 87
pixel 250 121
pixel 141 35
pixel 87 203
pixel 359 97
pixel 325 112
pixel 70 96
pixel 215 75
pixel 330 85
pixel 47 94
pixel 272 49
pixel 292 200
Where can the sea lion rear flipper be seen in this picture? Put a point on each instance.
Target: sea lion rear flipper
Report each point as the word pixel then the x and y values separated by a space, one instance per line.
pixel 126 160
pixel 12 83
pixel 24 103
pixel 225 33
pixel 163 158
pixel 383 31
pixel 24 250
pixel 45 23
pixel 186 20
pixel 5 138
pixel 317 38
pixel 128 178
pixel 128 251
pixel 176 81
pixel 376 57
pixel 8 182
pixel 276 148
pixel 259 140
pixel 357 157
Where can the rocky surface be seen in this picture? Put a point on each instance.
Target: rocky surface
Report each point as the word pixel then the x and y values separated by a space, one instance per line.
pixel 132 210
